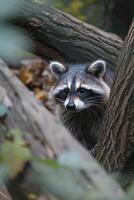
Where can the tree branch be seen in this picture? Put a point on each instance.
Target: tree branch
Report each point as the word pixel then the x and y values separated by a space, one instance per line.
pixel 59 36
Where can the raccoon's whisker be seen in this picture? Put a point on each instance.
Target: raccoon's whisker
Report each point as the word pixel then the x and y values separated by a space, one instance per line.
pixel 94 101
pixel 95 107
pixel 100 103
pixel 58 101
pixel 97 104
pixel 94 98
pixel 61 104
pixel 99 108
pixel 89 103
pixel 89 108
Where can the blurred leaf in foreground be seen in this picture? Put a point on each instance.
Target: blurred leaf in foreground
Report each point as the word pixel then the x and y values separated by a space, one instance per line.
pixel 63 182
pixel 7 8
pixel 14 154
pixel 12 40
pixel 130 195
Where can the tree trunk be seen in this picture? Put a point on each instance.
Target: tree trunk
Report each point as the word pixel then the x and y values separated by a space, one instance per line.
pixel 59 36
pixel 47 138
pixel 116 139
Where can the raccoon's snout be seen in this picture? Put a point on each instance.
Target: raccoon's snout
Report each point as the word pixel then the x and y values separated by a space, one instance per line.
pixel 74 104
pixel 71 106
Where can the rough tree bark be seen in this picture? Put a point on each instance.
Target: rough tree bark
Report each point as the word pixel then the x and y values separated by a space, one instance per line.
pixel 59 36
pixel 45 136
pixel 117 136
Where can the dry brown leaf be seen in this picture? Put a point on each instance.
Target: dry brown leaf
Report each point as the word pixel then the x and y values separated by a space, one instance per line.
pixel 35 73
pixel 25 75
pixel 40 94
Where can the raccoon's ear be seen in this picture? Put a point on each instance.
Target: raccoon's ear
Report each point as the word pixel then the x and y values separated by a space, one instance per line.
pixel 97 68
pixel 57 69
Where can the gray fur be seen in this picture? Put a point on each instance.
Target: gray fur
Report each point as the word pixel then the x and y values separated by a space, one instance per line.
pixel 84 123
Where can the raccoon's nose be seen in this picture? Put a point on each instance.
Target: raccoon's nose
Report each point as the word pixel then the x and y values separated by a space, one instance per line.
pixel 71 106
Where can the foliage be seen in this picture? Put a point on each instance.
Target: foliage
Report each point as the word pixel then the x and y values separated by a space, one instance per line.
pixel 13 155
pixel 12 39
pixel 34 73
pixel 88 10
pixel 62 177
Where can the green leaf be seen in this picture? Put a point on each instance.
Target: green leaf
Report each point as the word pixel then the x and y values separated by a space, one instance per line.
pixel 14 154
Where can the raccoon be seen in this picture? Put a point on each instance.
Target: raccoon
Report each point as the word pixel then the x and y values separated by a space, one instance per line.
pixel 81 95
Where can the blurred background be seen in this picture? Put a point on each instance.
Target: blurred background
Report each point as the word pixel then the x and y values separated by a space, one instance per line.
pixel 110 15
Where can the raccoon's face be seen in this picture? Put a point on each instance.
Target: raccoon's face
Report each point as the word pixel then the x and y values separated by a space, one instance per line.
pixel 80 86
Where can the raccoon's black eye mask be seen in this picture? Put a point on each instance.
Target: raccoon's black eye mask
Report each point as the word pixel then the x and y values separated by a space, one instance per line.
pixel 88 93
pixel 62 94
pixel 81 92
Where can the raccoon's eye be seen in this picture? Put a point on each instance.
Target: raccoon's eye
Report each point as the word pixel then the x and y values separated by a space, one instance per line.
pixel 66 90
pixel 87 91
pixel 62 94
pixel 82 90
